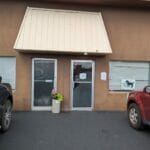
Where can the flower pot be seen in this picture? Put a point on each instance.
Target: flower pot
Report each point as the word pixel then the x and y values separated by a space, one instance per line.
pixel 55 106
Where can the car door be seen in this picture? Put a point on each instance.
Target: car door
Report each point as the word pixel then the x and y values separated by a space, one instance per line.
pixel 146 103
pixel 3 94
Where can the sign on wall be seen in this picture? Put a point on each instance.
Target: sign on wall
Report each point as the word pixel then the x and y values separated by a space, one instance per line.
pixel 128 84
pixel 103 76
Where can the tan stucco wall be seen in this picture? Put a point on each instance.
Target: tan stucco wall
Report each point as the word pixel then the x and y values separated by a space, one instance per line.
pixel 103 99
pixel 128 31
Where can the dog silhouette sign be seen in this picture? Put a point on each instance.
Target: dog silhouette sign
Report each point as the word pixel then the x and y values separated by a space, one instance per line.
pixel 128 84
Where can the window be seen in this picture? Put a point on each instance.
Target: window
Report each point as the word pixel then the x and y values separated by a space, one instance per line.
pixel 8 70
pixel 128 75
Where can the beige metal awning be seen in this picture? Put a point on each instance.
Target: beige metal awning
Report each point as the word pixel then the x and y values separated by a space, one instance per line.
pixel 53 30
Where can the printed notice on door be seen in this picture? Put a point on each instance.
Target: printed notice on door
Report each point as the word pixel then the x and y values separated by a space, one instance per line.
pixel 83 76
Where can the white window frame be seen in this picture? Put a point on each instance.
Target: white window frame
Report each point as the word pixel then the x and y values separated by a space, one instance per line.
pixel 13 78
pixel 71 86
pixel 123 90
pixel 43 108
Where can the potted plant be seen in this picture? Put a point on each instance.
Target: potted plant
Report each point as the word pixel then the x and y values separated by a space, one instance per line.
pixel 57 98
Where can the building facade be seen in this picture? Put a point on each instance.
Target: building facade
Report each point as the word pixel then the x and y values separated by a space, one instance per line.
pixel 90 79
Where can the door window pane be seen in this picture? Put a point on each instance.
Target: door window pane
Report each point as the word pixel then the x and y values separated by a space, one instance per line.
pixel 42 93
pixel 82 71
pixel 44 70
pixel 82 95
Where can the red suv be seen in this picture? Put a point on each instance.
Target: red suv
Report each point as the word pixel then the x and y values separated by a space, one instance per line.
pixel 138 108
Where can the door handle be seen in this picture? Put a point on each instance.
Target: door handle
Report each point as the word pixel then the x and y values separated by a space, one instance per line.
pixel 48 81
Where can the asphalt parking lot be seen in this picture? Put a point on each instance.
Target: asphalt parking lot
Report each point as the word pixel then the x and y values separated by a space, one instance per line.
pixel 73 131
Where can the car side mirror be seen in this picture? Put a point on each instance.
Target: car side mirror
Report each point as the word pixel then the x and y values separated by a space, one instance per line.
pixel 147 89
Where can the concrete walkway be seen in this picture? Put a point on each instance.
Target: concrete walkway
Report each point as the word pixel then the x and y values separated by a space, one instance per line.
pixel 73 131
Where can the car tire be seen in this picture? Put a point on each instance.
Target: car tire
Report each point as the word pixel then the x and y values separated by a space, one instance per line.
pixel 6 116
pixel 134 116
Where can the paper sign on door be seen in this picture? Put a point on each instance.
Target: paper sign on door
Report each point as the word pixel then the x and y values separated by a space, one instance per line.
pixel 83 76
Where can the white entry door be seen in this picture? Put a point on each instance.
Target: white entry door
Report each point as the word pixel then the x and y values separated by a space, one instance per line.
pixel 43 81
pixel 82 84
